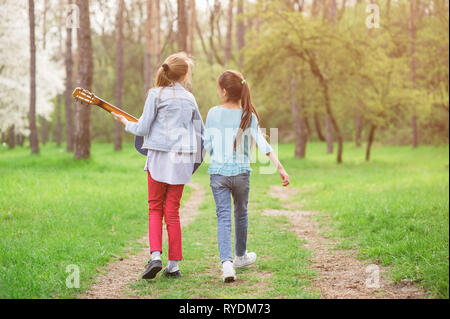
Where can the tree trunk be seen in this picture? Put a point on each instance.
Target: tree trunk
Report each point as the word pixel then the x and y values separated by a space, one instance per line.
pixel 44 126
pixel 85 73
pixel 19 139
pixel 60 23
pixel 44 130
pixel 308 56
pixel 301 134
pixel 212 20
pixel 207 53
pixel 44 24
pixel 58 135
pixel 149 47
pixel 318 127
pixel 182 26
pixel 307 125
pixel 240 32
pixel 330 120
pixel 413 72
pixel 329 136
pixel 11 137
pixel 34 139
pixel 315 8
pixel 388 12
pixel 192 22
pixel 218 23
pixel 158 31
pixel 414 128
pixel 58 132
pixel 333 10
pixel 358 130
pixel 325 10
pixel 370 141
pixel 148 68
pixel 119 73
pixel 329 116
pixel 69 88
pixel 229 41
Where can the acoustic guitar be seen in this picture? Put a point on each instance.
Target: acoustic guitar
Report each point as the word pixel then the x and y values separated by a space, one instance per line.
pixel 85 96
pixel 89 98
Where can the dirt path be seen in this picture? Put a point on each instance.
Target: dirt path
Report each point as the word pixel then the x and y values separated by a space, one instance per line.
pixel 340 273
pixel 119 274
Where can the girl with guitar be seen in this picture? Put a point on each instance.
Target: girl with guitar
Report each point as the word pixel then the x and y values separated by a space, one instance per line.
pixel 172 128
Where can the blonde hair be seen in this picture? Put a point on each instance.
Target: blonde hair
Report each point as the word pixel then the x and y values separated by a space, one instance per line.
pixel 173 69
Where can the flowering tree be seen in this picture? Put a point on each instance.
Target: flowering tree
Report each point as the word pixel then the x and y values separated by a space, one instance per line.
pixel 14 71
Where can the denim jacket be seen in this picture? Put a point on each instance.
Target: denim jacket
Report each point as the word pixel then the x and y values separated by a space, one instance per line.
pixel 171 121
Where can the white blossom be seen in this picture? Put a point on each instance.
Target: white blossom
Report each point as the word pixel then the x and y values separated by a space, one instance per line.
pixel 15 70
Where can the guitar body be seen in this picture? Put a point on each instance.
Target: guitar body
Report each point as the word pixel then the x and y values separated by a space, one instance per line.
pixel 138 141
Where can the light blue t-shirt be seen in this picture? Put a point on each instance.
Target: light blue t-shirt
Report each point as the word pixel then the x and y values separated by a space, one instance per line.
pixel 222 125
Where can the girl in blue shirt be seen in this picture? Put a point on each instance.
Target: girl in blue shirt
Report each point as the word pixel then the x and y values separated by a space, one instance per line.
pixel 230 130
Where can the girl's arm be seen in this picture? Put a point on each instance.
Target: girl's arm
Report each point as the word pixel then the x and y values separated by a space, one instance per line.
pixel 265 147
pixel 284 176
pixel 260 140
pixel 142 127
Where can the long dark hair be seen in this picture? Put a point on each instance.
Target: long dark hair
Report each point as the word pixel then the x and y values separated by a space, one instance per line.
pixel 238 90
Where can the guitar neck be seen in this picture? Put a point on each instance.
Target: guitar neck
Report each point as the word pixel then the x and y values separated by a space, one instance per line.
pixel 111 108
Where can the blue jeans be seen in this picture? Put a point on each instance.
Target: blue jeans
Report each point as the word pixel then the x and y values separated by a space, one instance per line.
pixel 223 187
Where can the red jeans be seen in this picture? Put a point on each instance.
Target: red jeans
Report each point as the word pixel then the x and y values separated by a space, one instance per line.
pixel 164 199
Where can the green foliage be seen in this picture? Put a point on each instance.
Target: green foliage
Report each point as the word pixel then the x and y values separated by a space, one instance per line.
pixel 367 70
pixel 205 85
pixel 104 84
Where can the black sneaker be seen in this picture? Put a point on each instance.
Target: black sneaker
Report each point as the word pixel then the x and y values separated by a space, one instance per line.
pixel 153 267
pixel 175 274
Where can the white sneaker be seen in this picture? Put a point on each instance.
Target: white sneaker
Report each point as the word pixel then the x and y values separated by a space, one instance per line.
pixel 228 272
pixel 246 260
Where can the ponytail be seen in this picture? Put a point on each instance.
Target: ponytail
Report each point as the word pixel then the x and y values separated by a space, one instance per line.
pixel 163 78
pixel 173 69
pixel 247 111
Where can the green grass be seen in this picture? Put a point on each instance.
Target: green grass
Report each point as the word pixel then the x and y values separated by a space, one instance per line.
pixel 394 209
pixel 281 271
pixel 55 211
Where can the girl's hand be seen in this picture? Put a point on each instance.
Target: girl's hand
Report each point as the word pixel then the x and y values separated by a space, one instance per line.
pixel 119 118
pixel 284 176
